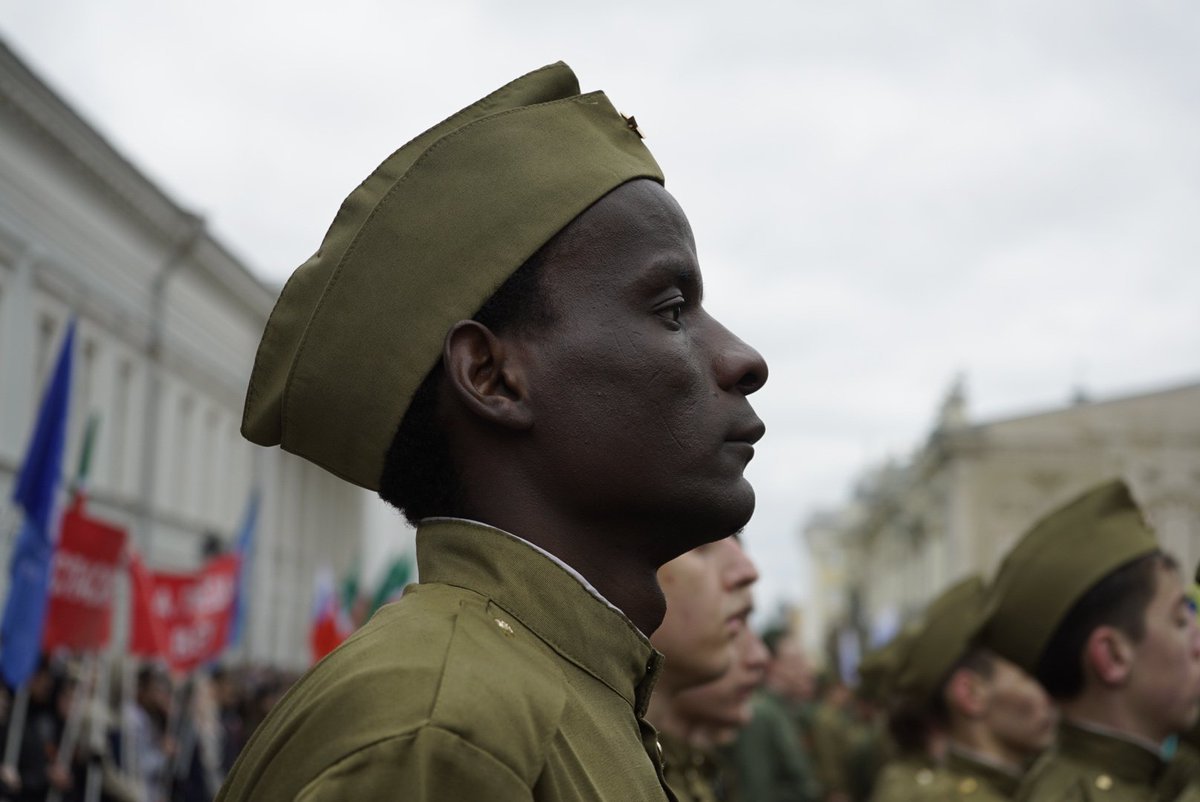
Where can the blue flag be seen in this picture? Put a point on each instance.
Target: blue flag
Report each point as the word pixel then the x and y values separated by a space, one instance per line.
pixel 244 548
pixel 36 492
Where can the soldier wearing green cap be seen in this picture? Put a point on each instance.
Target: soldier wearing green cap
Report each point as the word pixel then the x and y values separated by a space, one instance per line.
pixel 502 333
pixel 912 773
pixel 1088 604
pixel 920 659
pixel 996 717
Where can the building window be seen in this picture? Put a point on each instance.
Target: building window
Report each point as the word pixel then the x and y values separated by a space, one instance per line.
pixel 184 456
pixel 120 423
pixel 46 340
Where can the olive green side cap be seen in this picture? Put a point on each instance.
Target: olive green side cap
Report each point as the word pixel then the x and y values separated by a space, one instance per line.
pixel 877 671
pixel 1056 562
pixel 940 638
pixel 422 243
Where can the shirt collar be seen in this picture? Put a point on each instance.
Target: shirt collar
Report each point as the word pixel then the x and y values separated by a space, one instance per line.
pixel 1001 777
pixel 1131 759
pixel 547 596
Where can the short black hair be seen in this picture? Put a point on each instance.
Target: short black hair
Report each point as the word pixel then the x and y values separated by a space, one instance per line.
pixel 419 476
pixel 910 726
pixel 1118 600
pixel 978 659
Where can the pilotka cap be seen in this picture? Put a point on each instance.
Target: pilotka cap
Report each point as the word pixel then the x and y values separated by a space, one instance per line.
pixel 877 671
pixel 1058 561
pixel 422 243
pixel 940 638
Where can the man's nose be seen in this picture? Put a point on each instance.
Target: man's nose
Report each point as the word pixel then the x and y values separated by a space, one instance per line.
pixel 738 365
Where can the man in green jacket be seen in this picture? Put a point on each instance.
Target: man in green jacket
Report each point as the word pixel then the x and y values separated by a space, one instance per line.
pixel 996 718
pixel 708 593
pixel 502 333
pixel 1088 604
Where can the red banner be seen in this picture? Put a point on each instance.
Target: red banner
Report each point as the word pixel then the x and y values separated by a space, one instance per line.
pixel 184 618
pixel 83 582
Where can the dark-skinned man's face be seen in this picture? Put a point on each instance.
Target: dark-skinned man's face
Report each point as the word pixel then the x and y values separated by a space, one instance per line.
pixel 639 396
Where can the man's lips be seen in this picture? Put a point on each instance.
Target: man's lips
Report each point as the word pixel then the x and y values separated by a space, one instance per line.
pixel 735 622
pixel 749 432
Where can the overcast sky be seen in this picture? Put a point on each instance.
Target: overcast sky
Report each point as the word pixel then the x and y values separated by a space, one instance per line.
pixel 884 194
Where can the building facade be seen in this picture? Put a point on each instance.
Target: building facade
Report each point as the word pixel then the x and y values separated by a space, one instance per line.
pixel 168 325
pixel 909 530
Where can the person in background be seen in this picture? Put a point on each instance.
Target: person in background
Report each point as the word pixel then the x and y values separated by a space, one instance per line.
pixel 708 602
pixel 770 759
pixel 997 719
pixel 916 739
pixel 833 738
pixel 715 713
pixel 1089 604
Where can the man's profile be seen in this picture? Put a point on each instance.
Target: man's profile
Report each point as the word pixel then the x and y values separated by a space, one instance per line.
pixel 503 334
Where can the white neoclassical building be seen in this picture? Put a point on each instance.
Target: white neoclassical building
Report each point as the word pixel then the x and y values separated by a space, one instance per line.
pixel 911 529
pixel 168 324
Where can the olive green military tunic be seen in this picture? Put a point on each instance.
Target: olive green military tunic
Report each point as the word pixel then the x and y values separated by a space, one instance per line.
pixel 1183 773
pixel 1096 767
pixel 499 677
pixel 972 778
pixel 831 747
pixel 910 779
pixel 692 774
pixel 772 765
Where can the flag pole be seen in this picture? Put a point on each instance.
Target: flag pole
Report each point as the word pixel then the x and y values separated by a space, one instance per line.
pixel 16 730
pixel 97 740
pixel 129 761
pixel 70 736
pixel 175 716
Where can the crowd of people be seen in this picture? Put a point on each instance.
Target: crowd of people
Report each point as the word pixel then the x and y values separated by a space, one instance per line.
pixel 1074 674
pixel 150 738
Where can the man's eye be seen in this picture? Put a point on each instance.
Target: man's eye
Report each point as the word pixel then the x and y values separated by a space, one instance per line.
pixel 673 311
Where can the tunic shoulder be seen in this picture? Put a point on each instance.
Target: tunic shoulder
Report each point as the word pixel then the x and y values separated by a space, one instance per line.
pixel 442 657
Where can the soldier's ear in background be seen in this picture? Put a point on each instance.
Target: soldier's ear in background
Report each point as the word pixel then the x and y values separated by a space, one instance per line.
pixel 1108 656
pixel 968 692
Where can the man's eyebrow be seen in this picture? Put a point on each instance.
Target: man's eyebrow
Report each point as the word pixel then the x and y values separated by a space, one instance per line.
pixel 672 272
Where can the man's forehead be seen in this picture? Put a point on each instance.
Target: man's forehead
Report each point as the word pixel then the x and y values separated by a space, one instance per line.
pixel 631 212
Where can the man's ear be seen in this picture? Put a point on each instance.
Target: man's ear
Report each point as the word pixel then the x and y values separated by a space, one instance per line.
pixel 1108 654
pixel 965 692
pixel 484 373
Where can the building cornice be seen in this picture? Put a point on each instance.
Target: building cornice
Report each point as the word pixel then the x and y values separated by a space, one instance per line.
pixel 59 126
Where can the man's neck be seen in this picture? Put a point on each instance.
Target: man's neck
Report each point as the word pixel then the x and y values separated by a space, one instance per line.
pixel 662 715
pixel 983 747
pixel 1111 714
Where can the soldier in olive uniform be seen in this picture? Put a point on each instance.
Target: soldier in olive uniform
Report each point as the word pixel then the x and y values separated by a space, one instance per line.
pixel 1184 769
pixel 920 659
pixel 708 602
pixel 502 333
pixel 770 759
pixel 712 715
pixel 1088 604
pixel 997 717
pixel 832 738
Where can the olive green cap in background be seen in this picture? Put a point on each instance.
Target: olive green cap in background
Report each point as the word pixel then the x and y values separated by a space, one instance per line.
pixel 422 243
pixel 1057 561
pixel 940 638
pixel 877 671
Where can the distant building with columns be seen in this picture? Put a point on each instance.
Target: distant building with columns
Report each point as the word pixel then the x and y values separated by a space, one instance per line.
pixel 912 528
pixel 168 325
